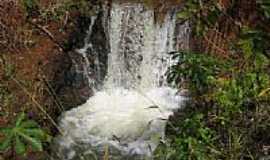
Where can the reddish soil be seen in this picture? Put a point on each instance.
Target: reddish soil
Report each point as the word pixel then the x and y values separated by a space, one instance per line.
pixel 35 57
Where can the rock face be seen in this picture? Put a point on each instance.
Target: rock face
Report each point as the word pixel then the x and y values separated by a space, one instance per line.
pixel 77 74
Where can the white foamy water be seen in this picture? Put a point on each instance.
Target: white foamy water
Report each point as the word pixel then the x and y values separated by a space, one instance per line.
pixel 130 113
pixel 128 120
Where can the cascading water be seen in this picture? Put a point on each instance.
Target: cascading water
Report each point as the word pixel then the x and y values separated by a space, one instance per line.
pixel 128 115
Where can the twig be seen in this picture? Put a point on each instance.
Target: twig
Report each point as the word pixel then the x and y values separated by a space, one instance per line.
pixel 38 105
pixel 66 18
pixel 48 33
pixel 53 94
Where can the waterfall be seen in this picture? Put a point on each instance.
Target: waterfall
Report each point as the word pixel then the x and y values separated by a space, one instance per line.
pixel 138 47
pixel 128 114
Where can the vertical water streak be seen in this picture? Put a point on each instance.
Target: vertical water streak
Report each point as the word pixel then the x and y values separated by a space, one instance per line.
pixel 87 71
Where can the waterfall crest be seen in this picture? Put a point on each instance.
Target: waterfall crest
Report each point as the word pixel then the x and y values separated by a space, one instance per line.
pixel 139 47
pixel 129 112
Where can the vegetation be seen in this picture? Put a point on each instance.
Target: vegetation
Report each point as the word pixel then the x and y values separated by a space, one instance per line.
pixel 23 134
pixel 226 71
pixel 32 33
pixel 58 11
pixel 230 91
pixel 192 140
pixel 31 7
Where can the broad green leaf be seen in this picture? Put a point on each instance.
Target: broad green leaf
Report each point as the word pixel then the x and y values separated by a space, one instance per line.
pixel 19 146
pixel 35 132
pixel 35 143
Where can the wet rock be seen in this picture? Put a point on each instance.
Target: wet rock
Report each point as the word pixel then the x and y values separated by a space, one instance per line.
pixel 80 72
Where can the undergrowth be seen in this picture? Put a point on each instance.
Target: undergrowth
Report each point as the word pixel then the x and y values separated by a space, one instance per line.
pixel 23 135
pixel 228 114
pixel 27 87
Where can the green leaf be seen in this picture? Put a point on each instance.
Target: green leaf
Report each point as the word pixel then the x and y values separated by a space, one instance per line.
pixel 19 146
pixel 29 124
pixel 20 119
pixel 6 131
pixel 23 134
pixel 35 143
pixel 265 7
pixel 184 15
pixel 35 132
pixel 6 143
pixel 247 46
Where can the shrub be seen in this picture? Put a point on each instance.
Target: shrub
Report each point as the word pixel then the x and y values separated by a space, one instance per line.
pixel 22 135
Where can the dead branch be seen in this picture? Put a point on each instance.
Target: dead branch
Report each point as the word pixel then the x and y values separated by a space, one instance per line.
pixel 48 33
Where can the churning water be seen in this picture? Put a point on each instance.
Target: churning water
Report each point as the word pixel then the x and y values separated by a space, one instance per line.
pixel 128 114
